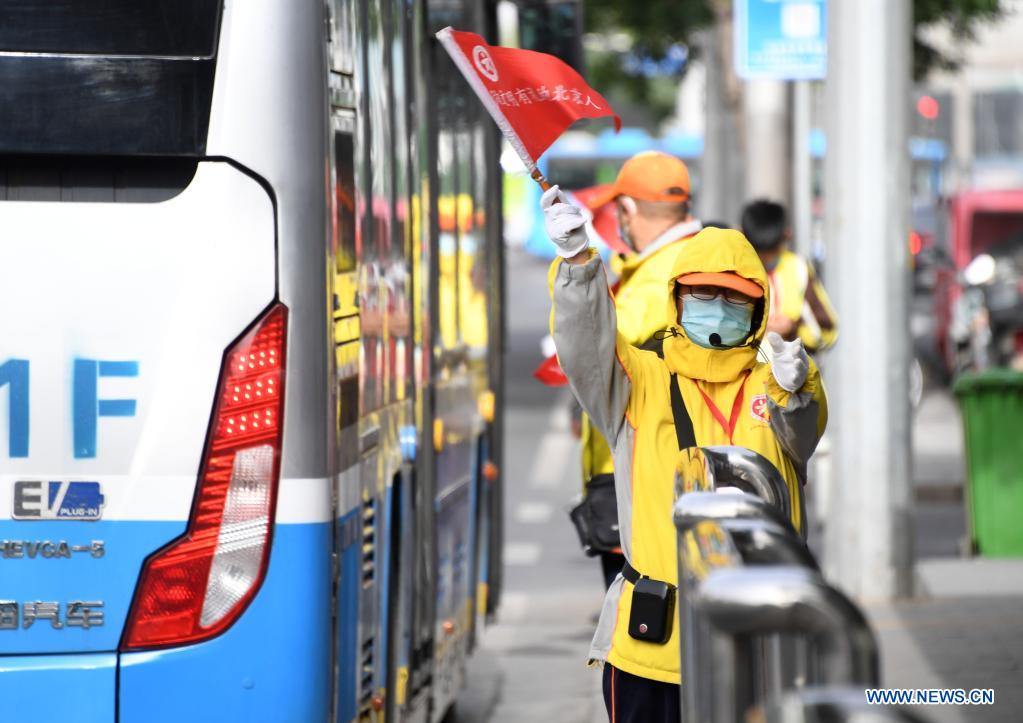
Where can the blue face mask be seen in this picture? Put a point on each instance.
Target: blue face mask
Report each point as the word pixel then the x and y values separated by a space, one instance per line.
pixel 701 319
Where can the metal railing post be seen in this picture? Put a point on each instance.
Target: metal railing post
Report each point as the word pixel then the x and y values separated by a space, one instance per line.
pixel 761 632
pixel 738 528
pixel 703 546
pixel 764 542
pixel 793 600
pixel 710 468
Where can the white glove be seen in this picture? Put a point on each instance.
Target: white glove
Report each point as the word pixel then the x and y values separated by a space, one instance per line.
pixel 789 362
pixel 564 222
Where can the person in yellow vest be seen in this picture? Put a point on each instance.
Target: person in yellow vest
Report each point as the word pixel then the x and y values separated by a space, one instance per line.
pixel 717 294
pixel 651 197
pixel 800 307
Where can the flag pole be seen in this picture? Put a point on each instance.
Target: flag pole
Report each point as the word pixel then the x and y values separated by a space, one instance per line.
pixel 539 178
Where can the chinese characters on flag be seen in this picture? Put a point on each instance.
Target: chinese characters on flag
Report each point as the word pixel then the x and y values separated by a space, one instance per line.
pixel 533 97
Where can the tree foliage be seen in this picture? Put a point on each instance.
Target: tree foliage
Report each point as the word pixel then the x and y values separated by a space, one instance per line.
pixel 963 17
pixel 655 25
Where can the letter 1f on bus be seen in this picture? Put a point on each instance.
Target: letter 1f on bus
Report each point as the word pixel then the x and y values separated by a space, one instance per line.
pixel 14 375
pixel 88 407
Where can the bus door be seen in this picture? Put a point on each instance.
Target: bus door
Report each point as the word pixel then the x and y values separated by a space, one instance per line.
pixel 349 514
pixel 456 422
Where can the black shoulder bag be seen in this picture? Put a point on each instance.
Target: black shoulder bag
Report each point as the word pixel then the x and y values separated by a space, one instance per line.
pixel 596 516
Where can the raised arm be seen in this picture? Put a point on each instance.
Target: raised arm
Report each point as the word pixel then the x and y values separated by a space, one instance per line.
pixel 594 357
pixel 584 321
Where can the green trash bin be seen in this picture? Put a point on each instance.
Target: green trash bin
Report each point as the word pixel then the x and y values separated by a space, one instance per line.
pixel 992 407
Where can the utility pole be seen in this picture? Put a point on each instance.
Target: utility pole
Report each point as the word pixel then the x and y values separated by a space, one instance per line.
pixel 868 548
pixel 723 166
pixel 802 169
pixel 712 192
pixel 766 112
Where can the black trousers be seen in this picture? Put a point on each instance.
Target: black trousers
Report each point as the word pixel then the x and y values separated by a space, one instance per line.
pixel 632 699
pixel 611 563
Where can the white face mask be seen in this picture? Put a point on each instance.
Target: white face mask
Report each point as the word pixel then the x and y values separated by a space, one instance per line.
pixel 716 324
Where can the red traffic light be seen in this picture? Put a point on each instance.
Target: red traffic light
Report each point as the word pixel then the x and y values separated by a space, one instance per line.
pixel 928 107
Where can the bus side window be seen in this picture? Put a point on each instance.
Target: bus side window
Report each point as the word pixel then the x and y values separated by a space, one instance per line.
pixel 399 313
pixel 473 282
pixel 447 206
pixel 344 202
pixel 345 304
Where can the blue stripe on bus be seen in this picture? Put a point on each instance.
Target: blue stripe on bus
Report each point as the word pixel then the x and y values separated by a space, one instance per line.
pixel 30 576
pixel 384 568
pixel 483 533
pixel 273 664
pixel 47 688
pixel 349 538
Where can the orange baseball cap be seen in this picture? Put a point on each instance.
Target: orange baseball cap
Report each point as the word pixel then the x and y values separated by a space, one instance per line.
pixel 722 278
pixel 650 176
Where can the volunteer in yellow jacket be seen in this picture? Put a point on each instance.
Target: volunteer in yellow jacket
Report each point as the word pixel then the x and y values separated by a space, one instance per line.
pixel 800 307
pixel 717 294
pixel 651 197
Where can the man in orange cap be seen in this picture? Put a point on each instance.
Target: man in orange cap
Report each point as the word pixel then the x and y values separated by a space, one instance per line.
pixel 651 197
pixel 652 202
pixel 706 387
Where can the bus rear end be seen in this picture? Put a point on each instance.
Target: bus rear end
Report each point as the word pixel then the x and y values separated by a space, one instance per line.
pixel 163 557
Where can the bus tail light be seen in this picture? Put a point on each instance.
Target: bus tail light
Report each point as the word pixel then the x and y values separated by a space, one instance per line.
pixel 197 586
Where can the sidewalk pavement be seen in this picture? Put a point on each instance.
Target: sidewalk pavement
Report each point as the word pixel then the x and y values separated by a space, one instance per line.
pixel 964 627
pixel 939 473
pixel 531 665
pixel 963 642
pixel 534 668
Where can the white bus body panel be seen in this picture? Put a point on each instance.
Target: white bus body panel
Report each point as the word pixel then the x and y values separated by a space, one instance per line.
pixel 166 286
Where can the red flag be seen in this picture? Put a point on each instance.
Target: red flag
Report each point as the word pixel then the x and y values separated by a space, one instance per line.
pixel 533 97
pixel 603 218
pixel 550 372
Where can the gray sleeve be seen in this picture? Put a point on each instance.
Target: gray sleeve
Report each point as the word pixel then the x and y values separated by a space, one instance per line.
pixel 795 426
pixel 584 327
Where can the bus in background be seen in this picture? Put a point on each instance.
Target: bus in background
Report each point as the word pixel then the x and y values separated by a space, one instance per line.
pixel 580 160
pixel 250 470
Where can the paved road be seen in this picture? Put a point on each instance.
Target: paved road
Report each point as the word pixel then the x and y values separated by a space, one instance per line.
pixel 532 664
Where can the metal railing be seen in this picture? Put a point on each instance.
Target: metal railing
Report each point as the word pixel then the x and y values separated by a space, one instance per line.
pixel 762 633
pixel 712 468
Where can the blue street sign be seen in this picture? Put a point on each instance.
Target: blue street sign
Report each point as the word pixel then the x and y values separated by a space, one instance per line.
pixel 781 39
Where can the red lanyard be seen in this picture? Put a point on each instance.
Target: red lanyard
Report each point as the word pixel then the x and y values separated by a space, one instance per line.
pixel 729 426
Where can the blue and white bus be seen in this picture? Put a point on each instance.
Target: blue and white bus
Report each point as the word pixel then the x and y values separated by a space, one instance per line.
pixel 250 360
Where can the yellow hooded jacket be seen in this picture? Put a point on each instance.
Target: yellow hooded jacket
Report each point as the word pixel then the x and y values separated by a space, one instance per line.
pixel 638 300
pixel 626 393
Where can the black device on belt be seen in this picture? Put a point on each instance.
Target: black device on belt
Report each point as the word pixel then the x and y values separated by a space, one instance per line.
pixel 653 605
